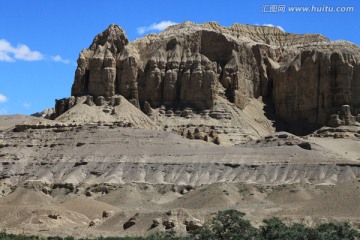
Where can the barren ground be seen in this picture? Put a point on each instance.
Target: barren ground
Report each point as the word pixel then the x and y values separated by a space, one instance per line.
pixel 58 182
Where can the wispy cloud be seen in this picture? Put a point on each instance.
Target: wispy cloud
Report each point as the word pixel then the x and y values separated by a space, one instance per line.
pixel 27 105
pixel 157 27
pixel 3 98
pixel 5 57
pixel 10 53
pixel 58 58
pixel 272 25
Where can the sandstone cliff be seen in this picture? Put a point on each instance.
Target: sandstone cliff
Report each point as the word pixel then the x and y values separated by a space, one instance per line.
pixel 305 77
pixel 317 82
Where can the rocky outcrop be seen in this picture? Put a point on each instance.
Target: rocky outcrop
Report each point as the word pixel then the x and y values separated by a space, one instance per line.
pixel 131 222
pixel 96 73
pixel 193 224
pixel 107 214
pixel 64 104
pixel 190 66
pixel 344 117
pixel 178 219
pixel 317 83
pixel 48 113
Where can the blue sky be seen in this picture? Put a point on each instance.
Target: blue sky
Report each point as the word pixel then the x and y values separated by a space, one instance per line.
pixel 40 40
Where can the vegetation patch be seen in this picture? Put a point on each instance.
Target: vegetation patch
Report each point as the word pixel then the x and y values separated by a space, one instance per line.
pixel 230 224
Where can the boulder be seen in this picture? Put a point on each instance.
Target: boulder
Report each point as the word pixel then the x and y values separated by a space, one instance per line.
pixel 187 113
pixel 169 223
pixel 89 100
pixel 95 222
pixel 199 135
pixel 334 121
pixel 54 216
pixel 117 101
pixel 156 222
pixel 189 135
pixel 107 214
pixel 193 224
pixel 131 222
pixel 217 140
pixel 100 101
pixel 305 145
pixel 169 113
pixel 147 108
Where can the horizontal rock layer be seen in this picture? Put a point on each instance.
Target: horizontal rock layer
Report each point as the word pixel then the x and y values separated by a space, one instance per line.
pixel 66 154
pixel 194 174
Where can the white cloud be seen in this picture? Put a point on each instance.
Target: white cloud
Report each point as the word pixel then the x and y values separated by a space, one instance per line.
pixel 23 52
pixel 5 57
pixel 3 98
pixel 272 25
pixel 9 53
pixel 155 27
pixel 27 105
pixel 58 58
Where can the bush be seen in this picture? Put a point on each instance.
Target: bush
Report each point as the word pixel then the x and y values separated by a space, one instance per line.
pixel 168 235
pixel 274 228
pixel 337 231
pixel 228 224
pixel 6 236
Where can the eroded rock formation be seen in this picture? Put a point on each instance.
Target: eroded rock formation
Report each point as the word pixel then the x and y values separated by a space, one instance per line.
pixel 306 77
pixel 317 82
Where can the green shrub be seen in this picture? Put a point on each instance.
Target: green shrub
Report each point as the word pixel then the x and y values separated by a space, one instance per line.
pixel 228 224
pixel 274 228
pixel 6 236
pixel 337 231
pixel 168 235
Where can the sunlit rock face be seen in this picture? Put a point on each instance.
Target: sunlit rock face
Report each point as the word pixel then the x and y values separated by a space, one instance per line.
pixel 305 77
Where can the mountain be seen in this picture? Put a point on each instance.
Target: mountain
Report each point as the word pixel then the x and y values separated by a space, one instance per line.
pixel 161 132
pixel 305 78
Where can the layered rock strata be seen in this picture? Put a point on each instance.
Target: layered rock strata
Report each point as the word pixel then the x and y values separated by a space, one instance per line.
pixel 305 77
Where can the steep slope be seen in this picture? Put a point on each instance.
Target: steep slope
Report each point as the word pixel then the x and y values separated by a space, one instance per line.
pixel 122 112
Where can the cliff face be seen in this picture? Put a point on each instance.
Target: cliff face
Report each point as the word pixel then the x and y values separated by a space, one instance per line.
pixel 317 82
pixel 307 77
pixel 106 68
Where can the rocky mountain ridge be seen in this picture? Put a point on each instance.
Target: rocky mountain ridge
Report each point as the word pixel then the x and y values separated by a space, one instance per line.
pixel 304 77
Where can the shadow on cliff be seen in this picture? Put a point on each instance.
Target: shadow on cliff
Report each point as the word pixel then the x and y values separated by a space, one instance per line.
pixel 299 128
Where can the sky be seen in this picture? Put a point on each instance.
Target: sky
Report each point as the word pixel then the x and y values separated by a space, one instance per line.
pixel 40 40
